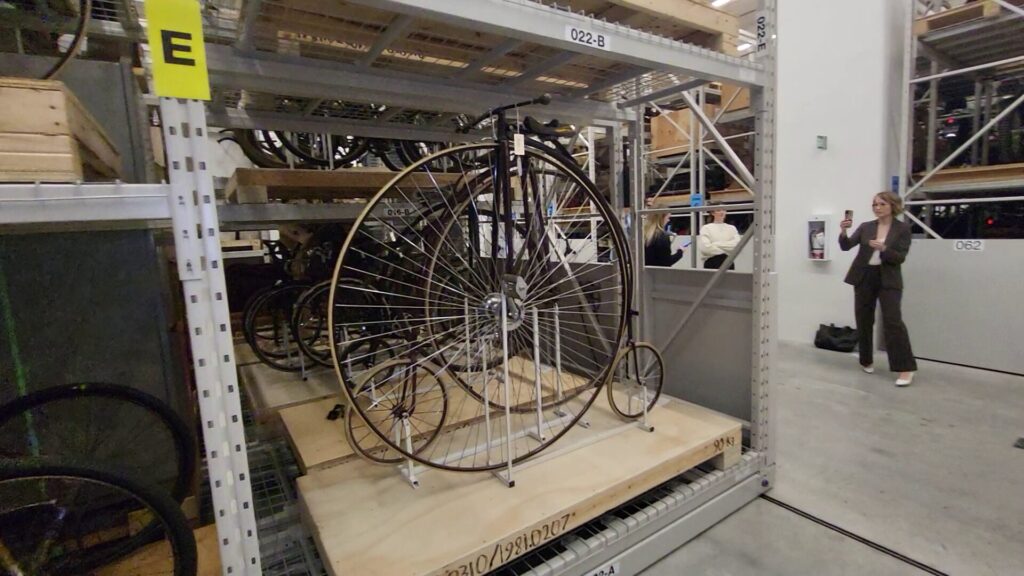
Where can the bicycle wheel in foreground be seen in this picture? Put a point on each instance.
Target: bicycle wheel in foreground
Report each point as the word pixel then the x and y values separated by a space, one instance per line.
pixel 107 425
pixel 58 518
pixel 487 278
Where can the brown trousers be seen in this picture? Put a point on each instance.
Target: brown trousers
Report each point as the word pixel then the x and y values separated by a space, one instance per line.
pixel 897 340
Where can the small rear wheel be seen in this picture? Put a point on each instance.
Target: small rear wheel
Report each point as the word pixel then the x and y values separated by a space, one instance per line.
pixel 638 373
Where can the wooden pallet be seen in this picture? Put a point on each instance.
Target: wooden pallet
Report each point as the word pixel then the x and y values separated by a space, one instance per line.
pixel 271 390
pixel 319 443
pixel 959 15
pixel 367 520
pixel 260 185
pixel 727 195
pixel 975 174
pixel 46 135
pixel 156 558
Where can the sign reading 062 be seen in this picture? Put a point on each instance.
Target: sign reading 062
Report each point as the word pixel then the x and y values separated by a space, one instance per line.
pixel 176 47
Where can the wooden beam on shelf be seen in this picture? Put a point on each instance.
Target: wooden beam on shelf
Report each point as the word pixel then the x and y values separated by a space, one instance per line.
pixel 688 12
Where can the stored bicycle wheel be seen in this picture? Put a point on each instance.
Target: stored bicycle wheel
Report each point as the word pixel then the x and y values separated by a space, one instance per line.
pixel 524 277
pixel 408 401
pixel 309 324
pixel 61 518
pixel 268 328
pixel 109 425
pixel 639 373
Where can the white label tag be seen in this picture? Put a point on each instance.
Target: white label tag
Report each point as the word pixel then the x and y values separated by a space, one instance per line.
pixel 762 32
pixel 969 245
pixel 587 37
pixel 613 569
pixel 518 144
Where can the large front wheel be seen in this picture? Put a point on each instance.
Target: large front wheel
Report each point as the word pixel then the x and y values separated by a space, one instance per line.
pixel 507 272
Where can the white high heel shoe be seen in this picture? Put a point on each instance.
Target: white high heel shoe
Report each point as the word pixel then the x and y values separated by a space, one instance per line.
pixel 905 381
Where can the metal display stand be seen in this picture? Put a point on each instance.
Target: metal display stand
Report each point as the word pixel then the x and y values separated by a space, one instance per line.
pixel 647 65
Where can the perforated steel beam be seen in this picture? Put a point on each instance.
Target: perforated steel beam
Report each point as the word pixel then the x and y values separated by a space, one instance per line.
pixel 547 25
pixel 235 118
pixel 303 78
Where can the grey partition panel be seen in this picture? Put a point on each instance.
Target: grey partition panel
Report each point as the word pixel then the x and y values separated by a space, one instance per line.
pixel 85 307
pixel 965 306
pixel 709 363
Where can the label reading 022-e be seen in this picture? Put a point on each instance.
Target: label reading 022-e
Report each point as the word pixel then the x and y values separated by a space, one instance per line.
pixel 587 38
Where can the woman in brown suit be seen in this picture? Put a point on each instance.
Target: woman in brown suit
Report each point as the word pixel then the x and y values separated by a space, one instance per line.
pixel 875 275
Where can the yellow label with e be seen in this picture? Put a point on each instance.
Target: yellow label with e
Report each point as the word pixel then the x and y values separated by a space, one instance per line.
pixel 177 49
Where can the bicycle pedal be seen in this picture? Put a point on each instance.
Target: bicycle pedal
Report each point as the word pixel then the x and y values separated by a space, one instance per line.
pixel 335 412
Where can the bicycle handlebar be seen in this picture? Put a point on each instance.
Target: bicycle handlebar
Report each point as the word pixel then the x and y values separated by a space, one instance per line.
pixel 543 100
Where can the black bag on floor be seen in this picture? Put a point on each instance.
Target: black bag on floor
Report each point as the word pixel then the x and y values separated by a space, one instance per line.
pixel 832 337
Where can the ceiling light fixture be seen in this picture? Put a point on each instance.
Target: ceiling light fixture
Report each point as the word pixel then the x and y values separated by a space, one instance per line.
pixel 719 3
pixel 744 46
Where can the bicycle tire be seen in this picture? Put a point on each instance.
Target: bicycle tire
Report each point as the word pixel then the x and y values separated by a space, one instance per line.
pixel 179 432
pixel 281 301
pixel 358 433
pixel 629 412
pixel 165 511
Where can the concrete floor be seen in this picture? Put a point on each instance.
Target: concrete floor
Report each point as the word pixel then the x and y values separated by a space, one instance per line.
pixel 929 471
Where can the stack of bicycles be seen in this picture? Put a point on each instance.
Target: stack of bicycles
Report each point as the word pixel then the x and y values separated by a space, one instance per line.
pixel 92 477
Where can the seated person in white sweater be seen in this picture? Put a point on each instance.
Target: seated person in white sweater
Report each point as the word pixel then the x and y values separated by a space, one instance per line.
pixel 718 240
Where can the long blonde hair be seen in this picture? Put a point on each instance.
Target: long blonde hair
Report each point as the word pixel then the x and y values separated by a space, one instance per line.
pixel 652 225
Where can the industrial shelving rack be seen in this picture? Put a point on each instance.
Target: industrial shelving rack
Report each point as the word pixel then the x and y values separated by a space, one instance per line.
pixel 254 85
pixel 972 58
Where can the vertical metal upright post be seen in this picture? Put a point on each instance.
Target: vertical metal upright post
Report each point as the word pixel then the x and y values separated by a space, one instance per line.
pixel 200 269
pixel 639 192
pixel 933 117
pixel 702 183
pixel 536 375
pixel 764 288
pixel 907 102
pixel 487 397
pixel 693 187
pixel 989 93
pixel 508 396
pixel 976 120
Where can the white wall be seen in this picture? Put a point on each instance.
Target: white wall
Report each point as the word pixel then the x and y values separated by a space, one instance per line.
pixel 839 75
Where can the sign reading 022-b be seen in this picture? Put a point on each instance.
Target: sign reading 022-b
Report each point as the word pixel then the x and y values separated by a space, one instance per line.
pixel 176 47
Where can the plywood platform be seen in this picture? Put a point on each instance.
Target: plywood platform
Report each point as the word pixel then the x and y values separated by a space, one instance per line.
pixel 976 174
pixel 367 520
pixel 319 443
pixel 259 185
pixel 156 558
pixel 271 390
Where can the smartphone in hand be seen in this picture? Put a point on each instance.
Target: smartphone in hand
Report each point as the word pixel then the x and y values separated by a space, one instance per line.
pixel 848 215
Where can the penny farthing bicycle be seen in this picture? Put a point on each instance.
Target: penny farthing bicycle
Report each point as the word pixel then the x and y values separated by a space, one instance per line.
pixel 508 301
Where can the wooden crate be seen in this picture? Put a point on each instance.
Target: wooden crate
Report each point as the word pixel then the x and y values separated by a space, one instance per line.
pixel 46 135
pixel 666 138
pixel 959 15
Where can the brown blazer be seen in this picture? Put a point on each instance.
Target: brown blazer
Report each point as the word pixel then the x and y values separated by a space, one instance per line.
pixel 897 244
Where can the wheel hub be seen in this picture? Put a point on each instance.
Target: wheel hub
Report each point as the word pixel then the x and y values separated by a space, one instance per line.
pixel 514 309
